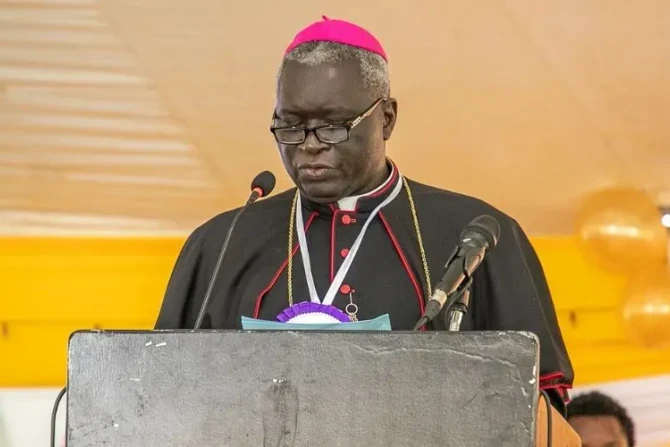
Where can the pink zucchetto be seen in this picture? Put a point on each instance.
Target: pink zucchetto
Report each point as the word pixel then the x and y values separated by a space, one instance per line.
pixel 338 31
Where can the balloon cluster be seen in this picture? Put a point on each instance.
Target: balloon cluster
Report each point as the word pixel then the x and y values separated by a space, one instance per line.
pixel 621 230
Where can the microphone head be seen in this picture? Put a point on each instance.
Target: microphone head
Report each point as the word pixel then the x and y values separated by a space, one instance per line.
pixel 264 183
pixel 485 227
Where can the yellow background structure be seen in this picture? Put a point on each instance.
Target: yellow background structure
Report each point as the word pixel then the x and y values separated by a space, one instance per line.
pixel 50 287
pixel 128 117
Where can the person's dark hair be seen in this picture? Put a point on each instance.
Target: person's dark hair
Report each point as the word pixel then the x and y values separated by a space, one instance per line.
pixel 598 404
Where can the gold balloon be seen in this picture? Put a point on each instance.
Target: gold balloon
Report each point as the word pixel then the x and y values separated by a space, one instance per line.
pixel 620 230
pixel 646 308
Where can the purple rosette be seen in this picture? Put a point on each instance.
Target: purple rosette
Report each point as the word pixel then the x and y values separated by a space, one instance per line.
pixel 307 307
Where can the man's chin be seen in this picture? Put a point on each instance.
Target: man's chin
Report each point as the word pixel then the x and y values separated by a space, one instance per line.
pixel 324 192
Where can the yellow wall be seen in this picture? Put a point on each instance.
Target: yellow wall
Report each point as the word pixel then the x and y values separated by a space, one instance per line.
pixel 51 287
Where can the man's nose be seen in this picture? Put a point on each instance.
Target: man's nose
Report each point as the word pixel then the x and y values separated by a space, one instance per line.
pixel 312 145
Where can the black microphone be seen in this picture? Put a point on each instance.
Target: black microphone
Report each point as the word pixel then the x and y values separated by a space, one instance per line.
pixel 477 239
pixel 261 186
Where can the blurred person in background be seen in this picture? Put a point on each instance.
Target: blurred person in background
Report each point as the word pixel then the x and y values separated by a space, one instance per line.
pixel 601 421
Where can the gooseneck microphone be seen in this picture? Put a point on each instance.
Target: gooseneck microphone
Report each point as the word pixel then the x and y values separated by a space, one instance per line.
pixel 261 186
pixel 477 239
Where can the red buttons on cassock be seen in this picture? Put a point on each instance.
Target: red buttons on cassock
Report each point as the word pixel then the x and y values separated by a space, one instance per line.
pixel 345 289
pixel 344 252
pixel 346 219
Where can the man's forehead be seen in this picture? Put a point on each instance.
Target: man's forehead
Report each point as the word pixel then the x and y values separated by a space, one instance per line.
pixel 317 107
pixel 597 428
pixel 325 75
pixel 334 87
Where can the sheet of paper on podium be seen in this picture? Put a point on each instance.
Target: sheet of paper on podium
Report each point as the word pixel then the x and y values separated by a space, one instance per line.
pixel 381 323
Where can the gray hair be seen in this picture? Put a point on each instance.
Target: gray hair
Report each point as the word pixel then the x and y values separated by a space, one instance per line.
pixel 373 67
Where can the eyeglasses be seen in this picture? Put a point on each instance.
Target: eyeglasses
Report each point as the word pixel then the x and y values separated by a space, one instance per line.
pixel 327 133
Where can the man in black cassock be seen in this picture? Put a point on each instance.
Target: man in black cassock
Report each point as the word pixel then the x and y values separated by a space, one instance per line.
pixel 333 115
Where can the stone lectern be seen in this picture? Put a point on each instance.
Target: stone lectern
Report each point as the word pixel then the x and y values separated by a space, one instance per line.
pixel 307 389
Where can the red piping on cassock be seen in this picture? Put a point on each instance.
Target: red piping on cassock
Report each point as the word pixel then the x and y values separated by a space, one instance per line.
pixel 405 264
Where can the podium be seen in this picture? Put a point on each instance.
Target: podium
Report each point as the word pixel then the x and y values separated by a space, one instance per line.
pixel 307 389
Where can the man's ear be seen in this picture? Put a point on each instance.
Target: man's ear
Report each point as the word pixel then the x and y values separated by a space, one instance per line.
pixel 390 109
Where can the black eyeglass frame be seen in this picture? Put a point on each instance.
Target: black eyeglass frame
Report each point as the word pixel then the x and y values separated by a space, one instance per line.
pixel 347 126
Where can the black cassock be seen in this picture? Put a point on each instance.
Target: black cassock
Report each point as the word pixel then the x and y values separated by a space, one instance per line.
pixel 509 290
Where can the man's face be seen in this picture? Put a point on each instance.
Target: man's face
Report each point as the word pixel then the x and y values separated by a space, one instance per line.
pixel 313 96
pixel 599 431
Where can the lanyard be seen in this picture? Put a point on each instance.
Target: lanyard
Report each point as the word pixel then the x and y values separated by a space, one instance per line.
pixel 344 268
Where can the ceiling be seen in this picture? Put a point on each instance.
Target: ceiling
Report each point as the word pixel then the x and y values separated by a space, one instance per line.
pixel 150 116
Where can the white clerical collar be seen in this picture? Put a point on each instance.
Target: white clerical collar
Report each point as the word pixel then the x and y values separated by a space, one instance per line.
pixel 349 203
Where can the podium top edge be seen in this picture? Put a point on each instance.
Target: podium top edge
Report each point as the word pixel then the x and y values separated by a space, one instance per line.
pixel 492 334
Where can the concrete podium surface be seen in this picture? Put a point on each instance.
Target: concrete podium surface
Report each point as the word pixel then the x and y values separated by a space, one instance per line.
pixel 302 389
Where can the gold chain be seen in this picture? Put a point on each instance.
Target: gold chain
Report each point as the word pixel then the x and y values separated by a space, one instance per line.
pixel 417 228
pixel 419 238
pixel 291 223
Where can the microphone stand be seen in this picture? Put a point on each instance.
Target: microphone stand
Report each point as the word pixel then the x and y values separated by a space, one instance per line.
pixel 454 309
pixel 460 308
